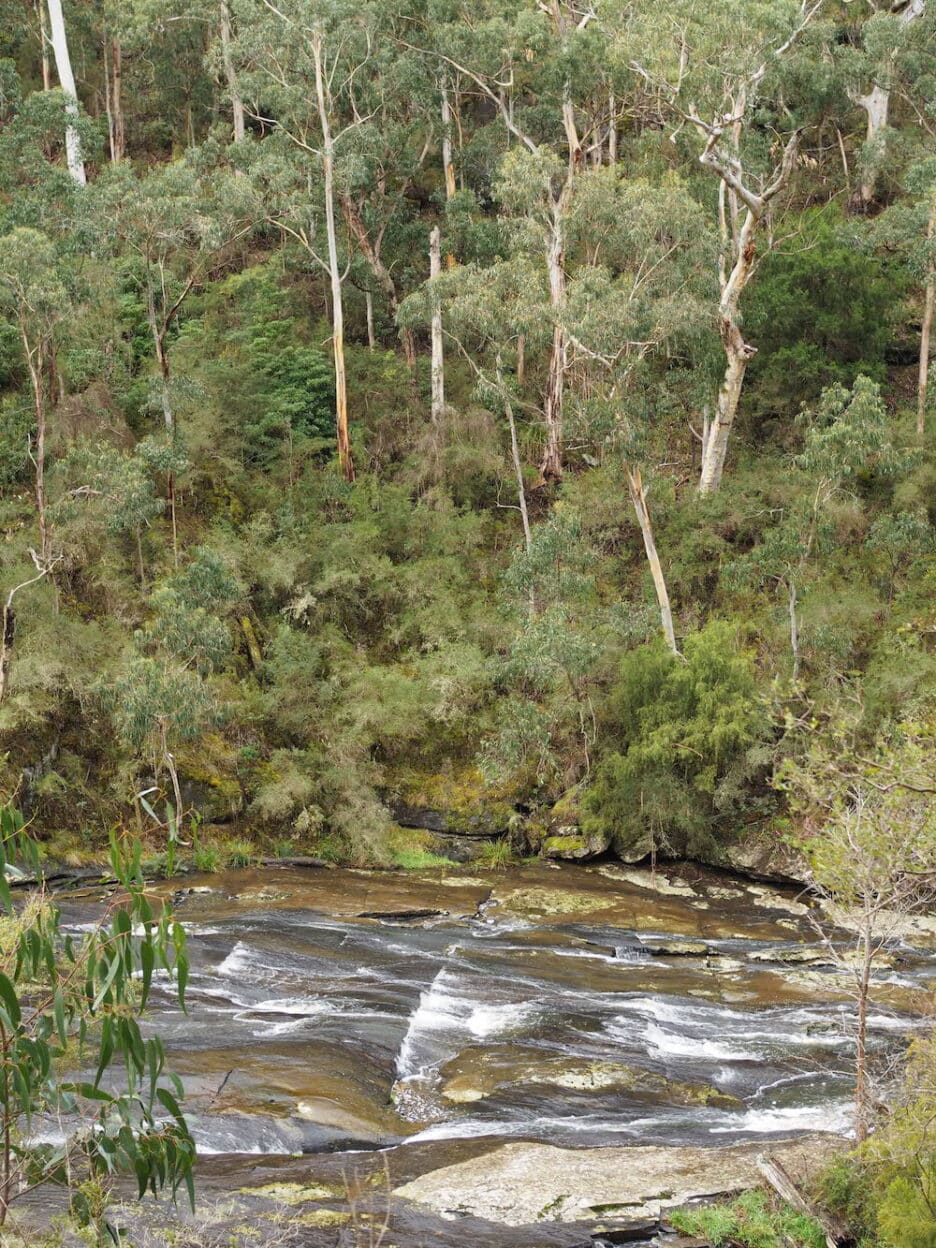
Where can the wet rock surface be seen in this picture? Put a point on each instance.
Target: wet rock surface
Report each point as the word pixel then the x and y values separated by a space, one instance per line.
pixel 354 1033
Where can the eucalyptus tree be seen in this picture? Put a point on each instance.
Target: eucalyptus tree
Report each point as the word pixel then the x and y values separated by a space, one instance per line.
pixel 876 69
pixel 31 287
pixel 303 67
pixel 67 79
pixel 715 70
pixel 174 222
pixel 533 63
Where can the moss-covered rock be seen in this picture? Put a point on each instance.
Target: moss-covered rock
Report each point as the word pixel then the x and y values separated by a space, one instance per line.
pixel 208 779
pixel 572 843
pixel 458 802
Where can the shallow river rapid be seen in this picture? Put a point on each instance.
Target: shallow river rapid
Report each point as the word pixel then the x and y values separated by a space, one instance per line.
pixel 341 1011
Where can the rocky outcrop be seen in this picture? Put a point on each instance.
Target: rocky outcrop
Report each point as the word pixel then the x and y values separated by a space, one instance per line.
pixel 520 1184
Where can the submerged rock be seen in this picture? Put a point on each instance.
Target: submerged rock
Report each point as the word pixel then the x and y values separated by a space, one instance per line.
pixel 480 1073
pixel 677 948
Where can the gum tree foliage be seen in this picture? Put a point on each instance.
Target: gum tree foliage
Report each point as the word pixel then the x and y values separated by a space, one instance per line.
pixel 71 1001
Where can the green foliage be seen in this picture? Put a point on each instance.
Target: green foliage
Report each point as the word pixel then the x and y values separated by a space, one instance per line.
pixel 67 1001
pixel 750 1221
pixel 679 741
pixel 821 311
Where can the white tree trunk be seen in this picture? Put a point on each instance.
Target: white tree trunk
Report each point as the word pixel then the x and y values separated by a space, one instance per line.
pixel 237 104
pixel 737 355
pixel 67 79
pixel 639 499
pixel 551 466
pixel 517 463
pixel 438 358
pixel 345 459
pixel 876 105
pixel 925 333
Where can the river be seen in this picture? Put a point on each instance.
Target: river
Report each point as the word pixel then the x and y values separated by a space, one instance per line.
pixel 348 1015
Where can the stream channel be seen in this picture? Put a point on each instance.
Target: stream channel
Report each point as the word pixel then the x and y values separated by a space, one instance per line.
pixel 349 1031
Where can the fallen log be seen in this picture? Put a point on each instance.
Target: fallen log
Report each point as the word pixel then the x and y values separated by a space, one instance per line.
pixel 777 1178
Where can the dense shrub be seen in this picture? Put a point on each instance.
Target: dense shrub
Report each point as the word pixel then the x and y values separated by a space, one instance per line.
pixel 680 737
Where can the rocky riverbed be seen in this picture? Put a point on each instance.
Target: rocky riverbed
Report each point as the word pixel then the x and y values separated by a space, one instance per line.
pixel 547 1055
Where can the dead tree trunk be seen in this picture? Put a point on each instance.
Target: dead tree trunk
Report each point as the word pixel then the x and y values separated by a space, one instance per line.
pixel 639 499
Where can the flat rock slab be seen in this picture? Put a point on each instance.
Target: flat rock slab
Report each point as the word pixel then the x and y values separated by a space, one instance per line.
pixel 520 1184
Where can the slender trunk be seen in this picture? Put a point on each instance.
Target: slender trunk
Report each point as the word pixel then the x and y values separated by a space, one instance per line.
pixel 448 166
pixel 369 310
pixel 737 355
pixel 862 1093
pixel 521 358
pixel 515 457
pixel 639 499
pixel 44 38
pixel 67 79
pixel 165 394
pixel 551 466
pixel 237 104
pixel 925 332
pixel 438 358
pixel 34 365
pixel 108 100
pixel 381 272
pixel 794 630
pixel 119 148
pixel 7 637
pixel 612 130
pixel 345 459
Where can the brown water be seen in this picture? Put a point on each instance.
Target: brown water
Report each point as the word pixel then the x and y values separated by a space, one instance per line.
pixel 341 1012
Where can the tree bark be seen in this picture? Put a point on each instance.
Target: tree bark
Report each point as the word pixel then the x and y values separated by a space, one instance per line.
pixel 237 103
pixel 928 301
pixel 345 459
pixel 862 1093
pixel 518 469
pixel 369 313
pixel 119 147
pixel 448 166
pixel 639 499
pixel 876 105
pixel 551 466
pixel 33 355
pixel 67 79
pixel 737 355
pixel 438 357
pixel 44 39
